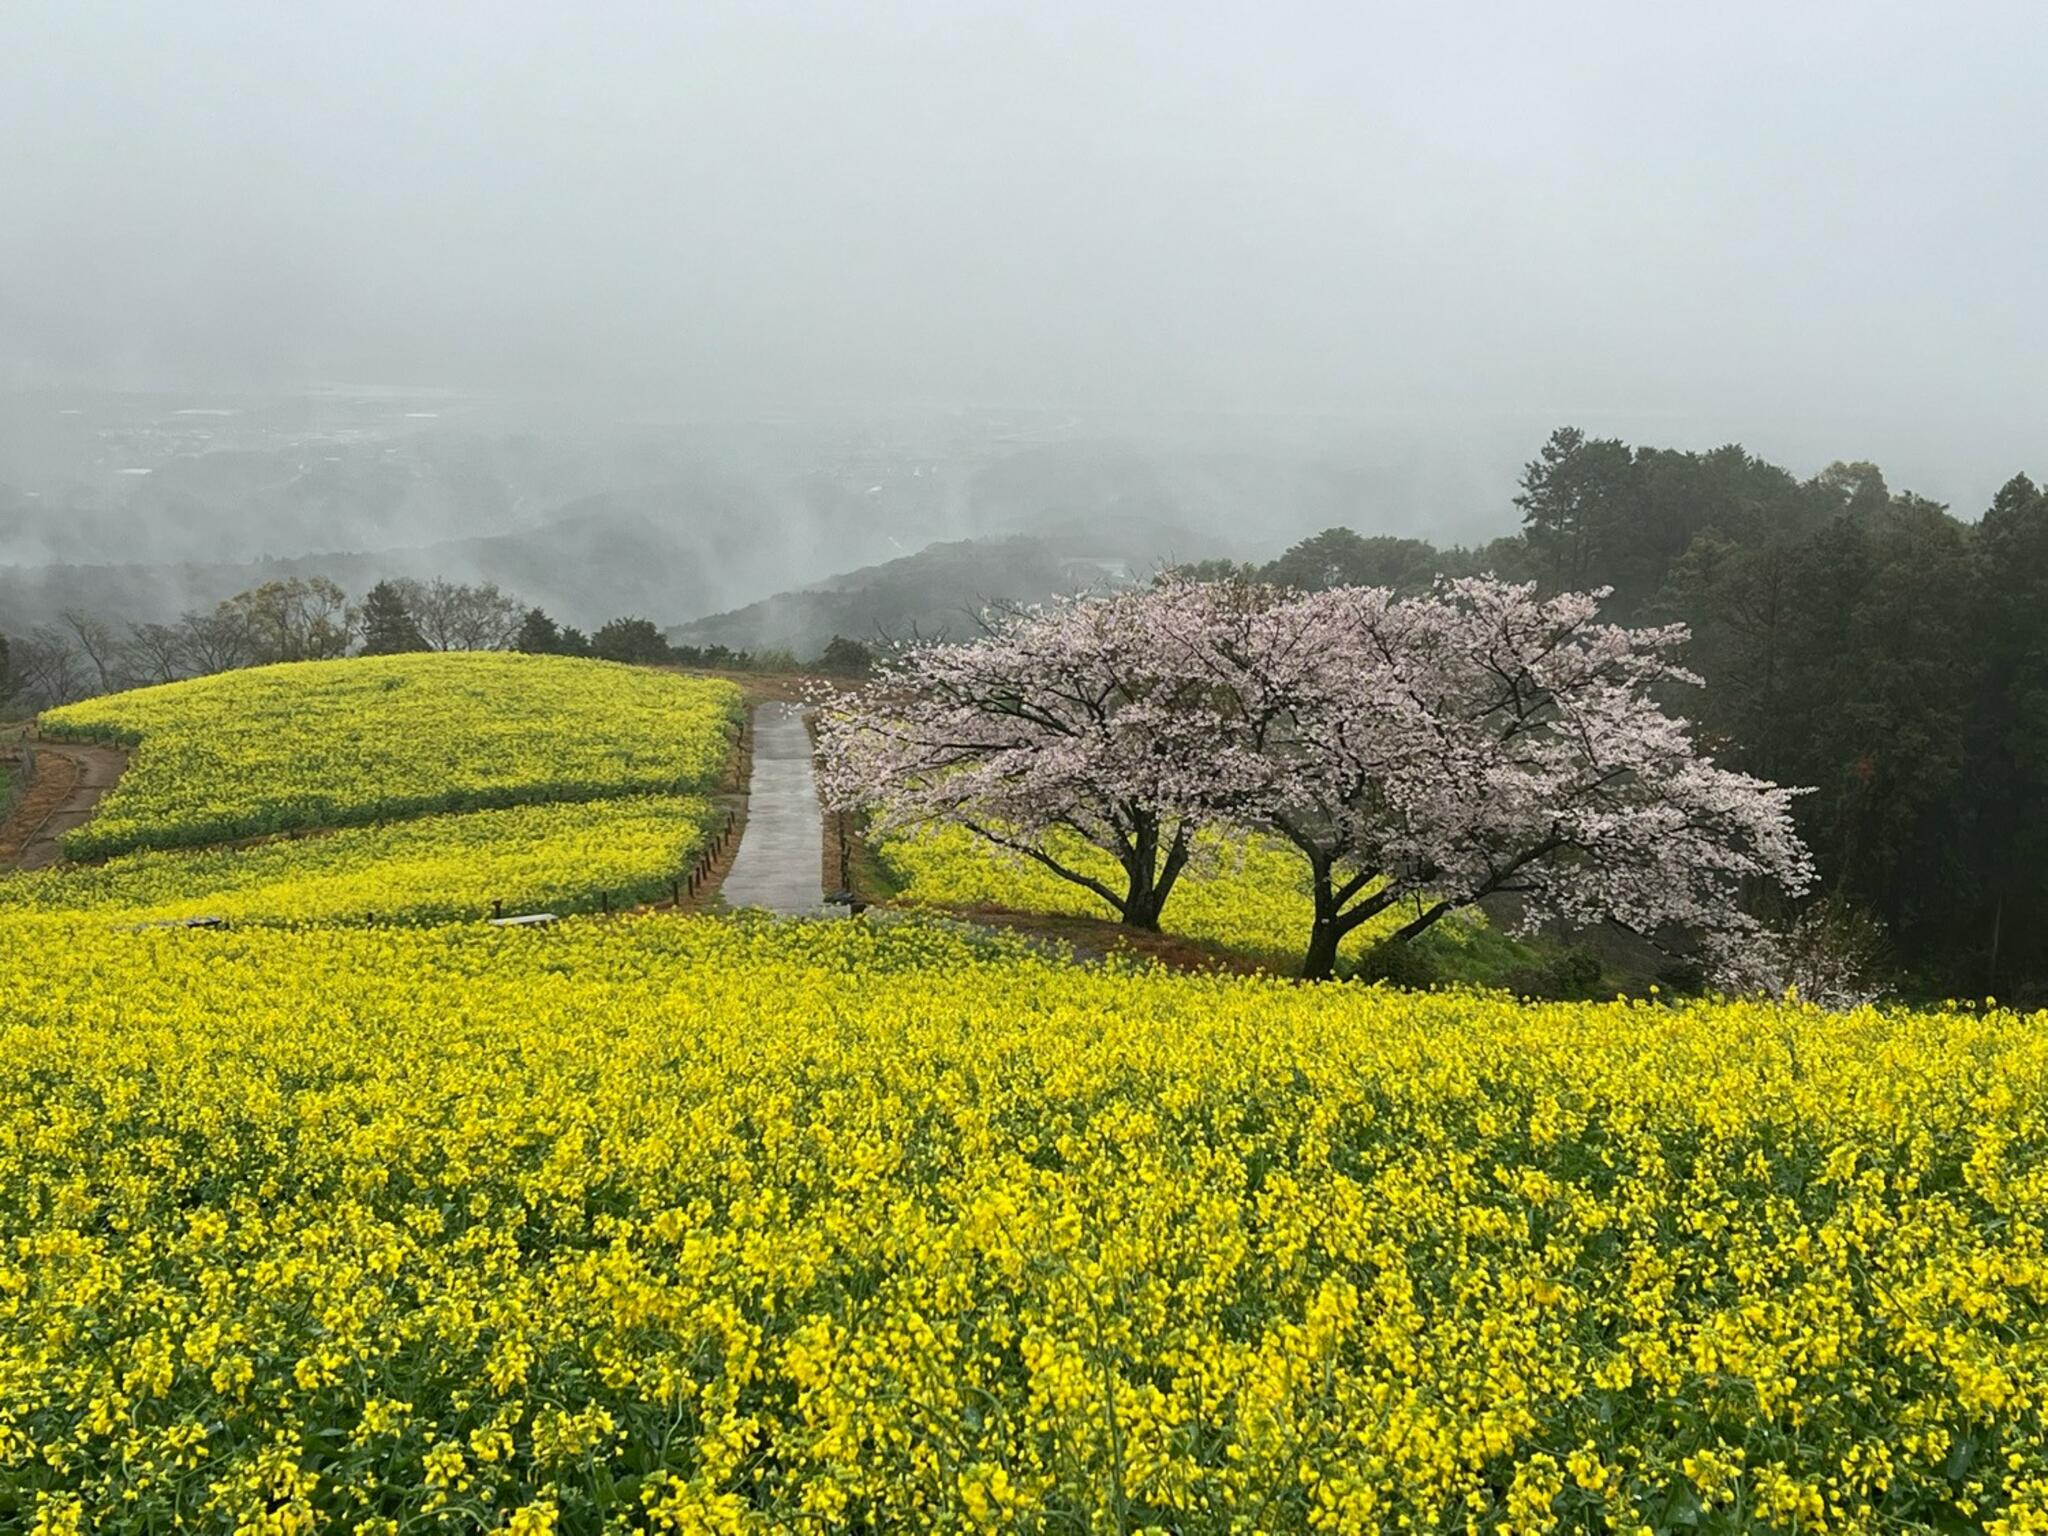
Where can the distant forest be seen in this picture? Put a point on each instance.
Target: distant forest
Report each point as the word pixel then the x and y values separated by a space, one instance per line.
pixel 1855 640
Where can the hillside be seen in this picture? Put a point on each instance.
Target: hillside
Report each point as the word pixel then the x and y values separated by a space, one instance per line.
pixel 376 738
pixel 556 1218
pixel 939 589
pixel 673 548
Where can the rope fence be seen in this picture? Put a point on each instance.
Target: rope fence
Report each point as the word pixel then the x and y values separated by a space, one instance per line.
pixel 686 886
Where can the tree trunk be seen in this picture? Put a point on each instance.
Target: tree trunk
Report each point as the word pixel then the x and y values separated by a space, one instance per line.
pixel 1141 910
pixel 1140 861
pixel 1320 963
pixel 1149 878
pixel 1334 921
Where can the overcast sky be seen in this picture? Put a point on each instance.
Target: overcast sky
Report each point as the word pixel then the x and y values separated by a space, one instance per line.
pixel 1782 222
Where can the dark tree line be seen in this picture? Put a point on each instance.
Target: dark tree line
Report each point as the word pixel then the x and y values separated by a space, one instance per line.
pixel 1857 640
pixel 301 619
pixel 311 619
pixel 641 641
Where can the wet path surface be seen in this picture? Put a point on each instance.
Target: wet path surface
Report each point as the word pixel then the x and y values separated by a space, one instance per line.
pixel 781 860
pixel 97 769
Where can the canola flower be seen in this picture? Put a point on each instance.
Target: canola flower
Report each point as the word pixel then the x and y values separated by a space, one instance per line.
pixel 701 1226
pixel 1241 892
pixel 374 738
pixel 560 858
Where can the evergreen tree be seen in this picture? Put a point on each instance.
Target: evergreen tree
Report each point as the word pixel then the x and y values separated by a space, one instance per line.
pixel 1886 694
pixel 1578 495
pixel 1337 557
pixel 630 639
pixel 387 622
pixel 850 657
pixel 538 635
pixel 2010 745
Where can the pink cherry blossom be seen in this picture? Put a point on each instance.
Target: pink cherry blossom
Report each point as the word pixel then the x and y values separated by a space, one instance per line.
pixel 1428 750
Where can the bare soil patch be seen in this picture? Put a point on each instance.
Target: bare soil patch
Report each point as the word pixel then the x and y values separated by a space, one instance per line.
pixel 69 784
pixel 55 777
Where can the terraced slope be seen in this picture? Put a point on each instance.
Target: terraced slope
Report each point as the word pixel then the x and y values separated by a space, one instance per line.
pixel 341 743
pixel 458 865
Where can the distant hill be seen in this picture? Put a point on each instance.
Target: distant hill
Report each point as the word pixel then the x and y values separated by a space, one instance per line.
pixel 656 551
pixel 942 587
pixel 682 540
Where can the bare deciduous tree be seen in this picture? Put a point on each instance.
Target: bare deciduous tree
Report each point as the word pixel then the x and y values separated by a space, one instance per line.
pixel 456 616
pixel 302 619
pixel 50 668
pixel 216 641
pixel 96 640
pixel 156 653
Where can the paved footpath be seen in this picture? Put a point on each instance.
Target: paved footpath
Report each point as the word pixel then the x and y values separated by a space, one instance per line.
pixel 781 860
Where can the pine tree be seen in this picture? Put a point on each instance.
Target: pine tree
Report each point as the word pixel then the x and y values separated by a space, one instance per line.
pixel 388 626
pixel 539 635
pixel 2008 779
pixel 846 656
pixel 1578 495
pixel 633 640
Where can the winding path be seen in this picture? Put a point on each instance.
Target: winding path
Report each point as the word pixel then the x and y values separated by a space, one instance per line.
pixel 96 770
pixel 781 859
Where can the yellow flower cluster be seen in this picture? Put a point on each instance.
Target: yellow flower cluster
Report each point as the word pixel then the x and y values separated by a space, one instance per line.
pixel 1246 894
pixel 335 743
pixel 711 1226
pixel 559 858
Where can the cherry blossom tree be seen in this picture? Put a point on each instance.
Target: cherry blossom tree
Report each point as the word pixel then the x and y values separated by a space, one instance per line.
pixel 1479 739
pixel 1832 955
pixel 1076 719
pixel 1433 750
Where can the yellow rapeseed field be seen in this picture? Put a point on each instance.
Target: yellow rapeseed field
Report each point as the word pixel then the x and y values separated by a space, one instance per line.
pixel 1246 894
pixel 372 738
pixel 561 858
pixel 703 1226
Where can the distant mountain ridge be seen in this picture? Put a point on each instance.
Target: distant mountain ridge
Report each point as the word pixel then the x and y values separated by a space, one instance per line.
pixel 940 589
pixel 657 552
pixel 690 542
